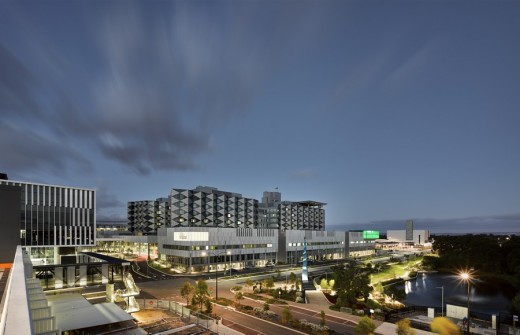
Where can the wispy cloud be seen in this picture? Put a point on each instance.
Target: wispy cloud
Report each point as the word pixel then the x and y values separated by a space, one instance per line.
pixel 413 66
pixel 150 86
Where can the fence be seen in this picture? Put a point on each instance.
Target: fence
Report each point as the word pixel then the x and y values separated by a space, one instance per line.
pixel 481 322
pixel 187 315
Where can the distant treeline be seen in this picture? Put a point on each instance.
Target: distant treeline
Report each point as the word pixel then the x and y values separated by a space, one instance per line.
pixel 490 256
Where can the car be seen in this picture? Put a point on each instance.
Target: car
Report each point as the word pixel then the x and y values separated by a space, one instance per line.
pixel 269 265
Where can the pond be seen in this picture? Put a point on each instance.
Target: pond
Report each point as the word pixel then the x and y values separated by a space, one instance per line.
pixel 484 297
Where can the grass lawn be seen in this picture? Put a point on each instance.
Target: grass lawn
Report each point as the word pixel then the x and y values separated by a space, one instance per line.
pixel 396 270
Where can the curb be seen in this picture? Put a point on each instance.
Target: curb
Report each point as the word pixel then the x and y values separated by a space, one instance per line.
pixel 273 323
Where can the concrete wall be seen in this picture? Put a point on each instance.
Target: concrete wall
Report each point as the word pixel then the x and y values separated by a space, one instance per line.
pixel 10 202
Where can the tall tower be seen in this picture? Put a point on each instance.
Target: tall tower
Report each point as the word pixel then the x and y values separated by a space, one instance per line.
pixel 409 230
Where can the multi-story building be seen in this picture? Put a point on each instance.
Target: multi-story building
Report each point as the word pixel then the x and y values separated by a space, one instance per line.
pixel 210 249
pixel 201 207
pixel 302 215
pixel 290 215
pixel 360 243
pixel 207 225
pixel 146 216
pixel 48 216
pixel 405 238
pixel 209 207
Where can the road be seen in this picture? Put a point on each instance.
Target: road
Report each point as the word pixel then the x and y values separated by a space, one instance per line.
pixel 168 287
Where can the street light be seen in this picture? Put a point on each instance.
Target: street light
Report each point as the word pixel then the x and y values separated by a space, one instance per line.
pixel 229 253
pixel 442 300
pixel 216 268
pixel 466 276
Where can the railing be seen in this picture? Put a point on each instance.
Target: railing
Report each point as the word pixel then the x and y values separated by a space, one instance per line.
pixel 187 315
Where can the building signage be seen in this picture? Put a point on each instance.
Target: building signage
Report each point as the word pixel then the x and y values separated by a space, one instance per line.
pixel 370 234
pixel 191 236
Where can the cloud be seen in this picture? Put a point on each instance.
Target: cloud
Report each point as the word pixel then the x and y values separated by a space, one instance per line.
pixel 411 67
pixel 147 87
pixel 33 152
pixel 105 199
pixel 305 174
pixel 16 84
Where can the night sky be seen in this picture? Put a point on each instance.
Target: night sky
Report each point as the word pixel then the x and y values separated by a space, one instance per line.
pixel 385 110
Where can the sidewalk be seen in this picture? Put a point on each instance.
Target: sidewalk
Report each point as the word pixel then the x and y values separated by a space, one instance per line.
pixel 317 302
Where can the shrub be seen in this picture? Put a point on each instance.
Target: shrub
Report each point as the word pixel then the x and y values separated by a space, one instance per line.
pixel 444 326
pixel 404 328
pixel 365 326
pixel 372 304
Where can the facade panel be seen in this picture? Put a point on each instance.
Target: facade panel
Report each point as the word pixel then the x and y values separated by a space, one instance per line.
pixel 40 217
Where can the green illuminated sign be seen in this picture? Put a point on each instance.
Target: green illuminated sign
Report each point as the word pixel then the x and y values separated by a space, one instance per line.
pixel 370 234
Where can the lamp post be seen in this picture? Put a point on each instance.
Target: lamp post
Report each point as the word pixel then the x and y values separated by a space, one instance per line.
pixel 229 253
pixel 442 300
pixel 466 276
pixel 218 255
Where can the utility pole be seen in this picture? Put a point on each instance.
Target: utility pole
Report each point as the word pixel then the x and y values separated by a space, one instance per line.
pixel 442 300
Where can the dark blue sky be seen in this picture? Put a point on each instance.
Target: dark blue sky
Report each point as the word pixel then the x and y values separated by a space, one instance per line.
pixel 385 110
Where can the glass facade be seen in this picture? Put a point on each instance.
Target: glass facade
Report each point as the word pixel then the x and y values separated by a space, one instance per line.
pixel 55 215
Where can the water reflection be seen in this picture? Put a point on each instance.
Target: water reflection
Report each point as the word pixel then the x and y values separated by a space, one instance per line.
pixel 425 291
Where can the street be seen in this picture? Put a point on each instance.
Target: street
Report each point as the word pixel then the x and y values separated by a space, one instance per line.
pixel 170 289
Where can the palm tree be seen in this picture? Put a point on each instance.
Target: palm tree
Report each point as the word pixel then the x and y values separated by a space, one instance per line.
pixel 249 282
pixel 239 296
pixel 286 315
pixel 201 293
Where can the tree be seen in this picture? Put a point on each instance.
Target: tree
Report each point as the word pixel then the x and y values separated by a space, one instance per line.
pixel 324 284
pixel 239 296
pixel 293 278
pixel 249 282
pixel 270 283
pixel 444 326
pixel 322 318
pixel 395 292
pixel 297 285
pixel 286 315
pixel 351 282
pixel 404 328
pixel 516 302
pixel 186 291
pixel 365 326
pixel 201 293
pixel 264 283
pixel 209 306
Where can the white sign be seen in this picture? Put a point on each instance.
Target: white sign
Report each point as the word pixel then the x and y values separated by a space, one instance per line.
pixel 191 236
pixel 456 312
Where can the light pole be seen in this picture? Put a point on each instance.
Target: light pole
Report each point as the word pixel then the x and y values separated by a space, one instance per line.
pixel 218 255
pixel 466 276
pixel 229 253
pixel 442 300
